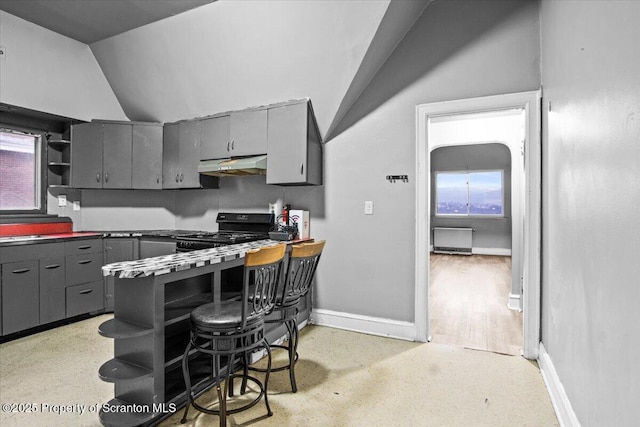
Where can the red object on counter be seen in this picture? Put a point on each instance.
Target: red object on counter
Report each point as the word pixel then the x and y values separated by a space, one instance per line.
pixel 24 229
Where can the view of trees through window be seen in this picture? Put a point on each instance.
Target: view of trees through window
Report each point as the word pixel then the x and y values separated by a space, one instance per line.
pixel 469 193
pixel 19 165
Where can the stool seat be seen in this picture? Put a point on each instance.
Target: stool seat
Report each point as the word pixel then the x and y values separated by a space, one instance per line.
pixel 220 315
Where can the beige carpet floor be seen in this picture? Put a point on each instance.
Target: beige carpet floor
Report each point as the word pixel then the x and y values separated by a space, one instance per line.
pixel 344 379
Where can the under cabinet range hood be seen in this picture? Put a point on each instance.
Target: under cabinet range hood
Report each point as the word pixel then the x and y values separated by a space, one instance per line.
pixel 238 166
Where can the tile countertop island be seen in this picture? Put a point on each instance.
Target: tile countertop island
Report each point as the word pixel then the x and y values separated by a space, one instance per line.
pixel 153 301
pixel 166 264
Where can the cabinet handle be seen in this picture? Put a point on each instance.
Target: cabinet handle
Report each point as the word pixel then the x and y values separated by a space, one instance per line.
pixel 86 291
pixel 157 179
pixel 233 143
pixel 106 177
pixel 52 266
pixel 22 270
pixel 84 261
pixel 181 177
pixel 301 169
pixel 177 177
pixel 228 145
pixel 84 247
pixel 98 177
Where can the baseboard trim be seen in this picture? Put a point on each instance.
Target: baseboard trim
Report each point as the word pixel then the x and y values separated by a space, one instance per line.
pixel 485 251
pixel 491 251
pixel 559 399
pixel 514 302
pixel 365 324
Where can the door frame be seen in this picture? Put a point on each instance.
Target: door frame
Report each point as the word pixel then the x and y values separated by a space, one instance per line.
pixel 530 299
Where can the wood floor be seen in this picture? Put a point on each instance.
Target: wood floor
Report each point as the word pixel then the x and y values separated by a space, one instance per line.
pixel 468 298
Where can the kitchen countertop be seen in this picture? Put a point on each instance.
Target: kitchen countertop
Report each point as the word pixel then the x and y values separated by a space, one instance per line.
pixel 45 238
pixel 181 261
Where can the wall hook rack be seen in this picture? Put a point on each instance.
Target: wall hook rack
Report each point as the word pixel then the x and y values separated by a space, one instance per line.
pixel 393 178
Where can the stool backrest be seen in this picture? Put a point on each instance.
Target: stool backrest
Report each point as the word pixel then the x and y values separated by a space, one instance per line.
pixel 262 271
pixel 301 269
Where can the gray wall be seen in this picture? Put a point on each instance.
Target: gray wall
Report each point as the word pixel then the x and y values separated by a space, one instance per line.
pixel 489 233
pixel 590 59
pixel 456 49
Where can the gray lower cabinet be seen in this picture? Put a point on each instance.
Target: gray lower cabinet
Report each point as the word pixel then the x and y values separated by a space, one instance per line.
pixel 156 246
pixel 52 289
pixel 20 296
pixel 85 287
pixel 85 298
pixel 116 250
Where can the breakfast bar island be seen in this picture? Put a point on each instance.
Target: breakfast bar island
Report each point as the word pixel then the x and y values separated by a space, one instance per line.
pixel 153 301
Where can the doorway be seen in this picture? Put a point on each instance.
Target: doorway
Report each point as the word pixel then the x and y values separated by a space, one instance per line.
pixel 525 205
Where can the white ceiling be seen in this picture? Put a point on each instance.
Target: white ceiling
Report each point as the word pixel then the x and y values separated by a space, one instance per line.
pixel 89 21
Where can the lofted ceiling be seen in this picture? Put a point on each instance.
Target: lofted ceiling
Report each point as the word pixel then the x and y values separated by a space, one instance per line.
pixel 89 21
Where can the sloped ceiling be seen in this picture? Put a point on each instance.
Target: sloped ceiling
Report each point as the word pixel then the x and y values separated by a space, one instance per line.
pixel 231 55
pixel 91 21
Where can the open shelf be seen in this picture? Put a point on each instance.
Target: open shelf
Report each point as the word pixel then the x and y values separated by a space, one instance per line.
pixel 115 328
pixel 59 163
pixel 119 370
pixel 180 310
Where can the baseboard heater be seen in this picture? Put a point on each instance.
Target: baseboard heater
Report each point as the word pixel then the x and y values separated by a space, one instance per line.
pixel 452 240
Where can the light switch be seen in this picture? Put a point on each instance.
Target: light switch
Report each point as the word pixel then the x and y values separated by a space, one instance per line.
pixel 76 205
pixel 62 200
pixel 368 207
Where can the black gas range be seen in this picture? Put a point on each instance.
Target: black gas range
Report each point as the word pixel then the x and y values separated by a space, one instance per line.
pixel 233 228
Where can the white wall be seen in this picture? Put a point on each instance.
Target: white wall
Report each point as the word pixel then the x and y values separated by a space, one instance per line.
pixel 457 49
pixel 590 59
pixel 47 72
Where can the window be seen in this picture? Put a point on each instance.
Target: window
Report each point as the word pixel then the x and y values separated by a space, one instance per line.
pixel 20 172
pixel 477 193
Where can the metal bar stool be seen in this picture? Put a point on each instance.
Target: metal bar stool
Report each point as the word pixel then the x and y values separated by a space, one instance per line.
pixel 235 328
pixel 301 269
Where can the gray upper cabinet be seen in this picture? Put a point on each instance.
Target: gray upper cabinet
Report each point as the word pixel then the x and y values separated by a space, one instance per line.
pixel 241 133
pixel 248 131
pixel 295 149
pixel 146 156
pixel 181 154
pixel 120 155
pixel 116 155
pixel 215 142
pixel 86 155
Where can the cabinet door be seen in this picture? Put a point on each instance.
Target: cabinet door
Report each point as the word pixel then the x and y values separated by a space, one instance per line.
pixel 170 156
pixel 287 156
pixel 20 296
pixel 215 142
pixel 146 162
pixel 249 133
pixel 115 250
pixel 189 154
pixel 116 160
pixel 52 289
pixel 86 155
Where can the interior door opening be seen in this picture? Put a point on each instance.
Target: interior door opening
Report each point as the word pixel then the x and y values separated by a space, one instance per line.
pixel 511 122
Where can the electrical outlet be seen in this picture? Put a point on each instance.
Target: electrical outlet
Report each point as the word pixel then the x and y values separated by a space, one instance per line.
pixel 62 200
pixel 368 207
pixel 76 205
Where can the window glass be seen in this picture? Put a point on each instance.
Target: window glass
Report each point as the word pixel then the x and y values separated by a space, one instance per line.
pixel 19 171
pixel 485 193
pixel 452 193
pixel 469 193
